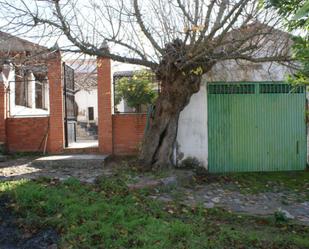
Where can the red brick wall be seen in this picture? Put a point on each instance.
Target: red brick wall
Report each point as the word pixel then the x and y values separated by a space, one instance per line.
pixel 2 113
pixel 128 131
pixel 56 130
pixel 119 134
pixel 104 106
pixel 26 134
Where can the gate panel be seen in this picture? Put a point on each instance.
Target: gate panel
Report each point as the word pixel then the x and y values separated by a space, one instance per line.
pixel 70 114
pixel 251 129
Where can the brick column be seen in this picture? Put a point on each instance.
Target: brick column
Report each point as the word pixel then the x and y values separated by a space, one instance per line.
pixel 105 129
pixel 56 122
pixel 2 114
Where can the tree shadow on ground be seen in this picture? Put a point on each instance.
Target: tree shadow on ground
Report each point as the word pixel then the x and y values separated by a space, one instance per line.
pixel 13 237
pixel 23 168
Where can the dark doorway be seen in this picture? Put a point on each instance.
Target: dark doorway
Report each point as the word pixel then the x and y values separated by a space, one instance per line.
pixel 90 114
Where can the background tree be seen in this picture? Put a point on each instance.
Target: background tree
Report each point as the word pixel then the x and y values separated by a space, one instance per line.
pixel 296 18
pixel 179 40
pixel 137 90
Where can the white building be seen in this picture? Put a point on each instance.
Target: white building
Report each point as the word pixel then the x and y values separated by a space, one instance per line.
pixel 86 87
pixel 192 136
pixel 87 105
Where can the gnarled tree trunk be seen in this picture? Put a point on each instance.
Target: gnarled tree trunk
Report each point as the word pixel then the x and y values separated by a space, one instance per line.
pixel 159 139
pixel 178 84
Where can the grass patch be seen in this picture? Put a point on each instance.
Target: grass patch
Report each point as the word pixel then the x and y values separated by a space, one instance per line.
pixel 295 181
pixel 248 182
pixel 128 166
pixel 107 215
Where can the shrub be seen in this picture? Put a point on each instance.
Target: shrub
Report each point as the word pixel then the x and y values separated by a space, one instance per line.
pixel 194 164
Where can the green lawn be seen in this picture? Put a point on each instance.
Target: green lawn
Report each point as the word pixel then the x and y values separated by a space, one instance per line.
pixel 107 215
pixel 257 182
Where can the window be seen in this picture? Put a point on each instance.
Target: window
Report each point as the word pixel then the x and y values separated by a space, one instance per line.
pixel 90 114
pixel 41 92
pixel 31 90
pixel 39 95
pixel 22 88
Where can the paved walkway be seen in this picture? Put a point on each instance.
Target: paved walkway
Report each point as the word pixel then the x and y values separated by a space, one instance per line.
pixel 86 168
pixel 295 205
pixel 84 144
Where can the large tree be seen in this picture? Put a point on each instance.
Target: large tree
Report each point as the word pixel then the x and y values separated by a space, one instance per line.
pixel 180 40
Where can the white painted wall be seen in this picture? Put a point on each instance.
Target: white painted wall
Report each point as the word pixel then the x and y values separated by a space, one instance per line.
pixel 246 71
pixel 192 136
pixel 85 99
pixel 123 107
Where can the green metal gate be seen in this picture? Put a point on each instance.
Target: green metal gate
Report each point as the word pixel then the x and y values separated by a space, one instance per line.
pixel 256 127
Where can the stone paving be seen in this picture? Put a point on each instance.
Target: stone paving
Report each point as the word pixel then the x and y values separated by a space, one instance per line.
pixel 180 186
pixel 86 168
pixel 174 186
pixel 294 205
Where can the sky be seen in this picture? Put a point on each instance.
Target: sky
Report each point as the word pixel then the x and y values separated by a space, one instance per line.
pixel 87 14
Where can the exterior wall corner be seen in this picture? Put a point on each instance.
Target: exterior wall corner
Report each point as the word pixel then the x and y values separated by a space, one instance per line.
pixel 56 120
pixel 192 140
pixel 105 122
pixel 3 112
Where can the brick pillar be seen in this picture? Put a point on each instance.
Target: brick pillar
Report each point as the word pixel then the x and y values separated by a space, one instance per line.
pixel 56 122
pixel 105 129
pixel 2 114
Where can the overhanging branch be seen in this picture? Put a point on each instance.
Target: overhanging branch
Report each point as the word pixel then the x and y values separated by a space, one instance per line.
pixel 143 27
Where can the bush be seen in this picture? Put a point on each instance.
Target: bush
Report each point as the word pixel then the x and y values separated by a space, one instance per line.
pixel 194 164
pixel 280 216
pixel 137 91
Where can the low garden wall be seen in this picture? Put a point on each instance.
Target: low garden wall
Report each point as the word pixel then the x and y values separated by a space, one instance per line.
pixel 26 134
pixel 128 131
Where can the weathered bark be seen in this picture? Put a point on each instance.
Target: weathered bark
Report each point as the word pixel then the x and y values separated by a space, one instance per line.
pixel 159 139
pixel 178 84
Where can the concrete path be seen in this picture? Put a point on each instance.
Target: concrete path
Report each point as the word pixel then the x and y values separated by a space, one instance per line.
pixel 70 161
pixel 84 144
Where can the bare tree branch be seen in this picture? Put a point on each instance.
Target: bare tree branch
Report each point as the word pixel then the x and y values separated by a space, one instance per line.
pixel 137 39
pixel 143 27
